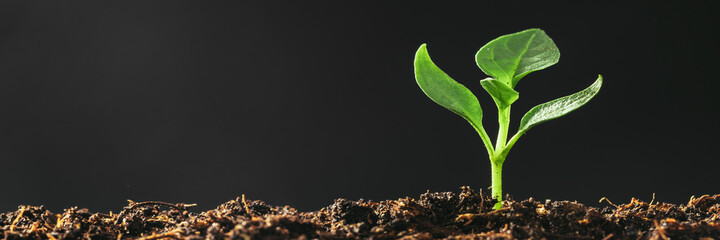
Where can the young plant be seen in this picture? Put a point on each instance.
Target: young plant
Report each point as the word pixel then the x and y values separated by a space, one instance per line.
pixel 506 60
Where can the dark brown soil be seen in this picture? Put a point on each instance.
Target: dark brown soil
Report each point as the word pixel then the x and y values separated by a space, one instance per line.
pixel 445 215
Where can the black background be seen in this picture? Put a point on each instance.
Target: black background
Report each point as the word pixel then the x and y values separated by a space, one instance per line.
pixel 302 102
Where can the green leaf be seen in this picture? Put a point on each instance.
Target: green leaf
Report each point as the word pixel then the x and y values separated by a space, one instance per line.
pixel 503 94
pixel 559 107
pixel 444 90
pixel 510 57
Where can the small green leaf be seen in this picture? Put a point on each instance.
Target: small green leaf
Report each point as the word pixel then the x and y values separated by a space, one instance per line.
pixel 503 94
pixel 510 57
pixel 444 90
pixel 559 107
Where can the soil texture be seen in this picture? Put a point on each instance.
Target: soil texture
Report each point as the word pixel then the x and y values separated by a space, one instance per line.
pixel 441 215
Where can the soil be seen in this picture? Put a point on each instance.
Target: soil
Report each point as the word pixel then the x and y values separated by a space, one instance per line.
pixel 441 215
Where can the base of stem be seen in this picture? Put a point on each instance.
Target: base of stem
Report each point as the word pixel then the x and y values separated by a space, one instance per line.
pixel 497 182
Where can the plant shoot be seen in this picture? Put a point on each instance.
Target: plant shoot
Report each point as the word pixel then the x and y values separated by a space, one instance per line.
pixel 506 60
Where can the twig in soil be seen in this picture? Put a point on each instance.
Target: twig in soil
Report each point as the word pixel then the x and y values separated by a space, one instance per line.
pixel 104 215
pixel 660 230
pixel 469 217
pixel 46 225
pixel 653 199
pixel 50 236
pixel 608 237
pixel 34 226
pixel 14 223
pixel 608 200
pixel 175 234
pixel 61 221
pixel 247 210
pixel 133 205
pixel 691 200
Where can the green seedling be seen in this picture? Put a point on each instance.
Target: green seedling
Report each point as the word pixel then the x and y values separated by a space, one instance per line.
pixel 506 60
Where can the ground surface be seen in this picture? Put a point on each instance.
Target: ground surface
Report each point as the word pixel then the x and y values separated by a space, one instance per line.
pixel 445 215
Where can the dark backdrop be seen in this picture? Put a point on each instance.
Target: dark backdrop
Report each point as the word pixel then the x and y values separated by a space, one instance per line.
pixel 302 102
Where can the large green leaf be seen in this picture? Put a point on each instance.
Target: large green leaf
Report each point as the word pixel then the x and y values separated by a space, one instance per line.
pixel 559 107
pixel 444 90
pixel 510 57
pixel 503 94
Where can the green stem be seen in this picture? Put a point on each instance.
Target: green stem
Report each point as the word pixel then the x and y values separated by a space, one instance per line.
pixel 498 158
pixel 503 126
pixel 496 162
pixel 497 181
